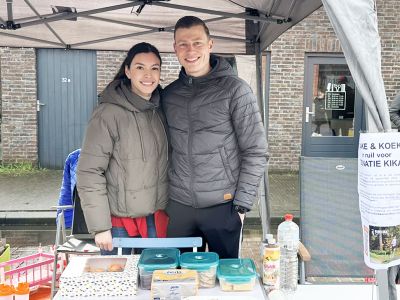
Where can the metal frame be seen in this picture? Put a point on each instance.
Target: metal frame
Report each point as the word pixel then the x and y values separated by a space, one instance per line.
pixel 185 242
pixel 16 24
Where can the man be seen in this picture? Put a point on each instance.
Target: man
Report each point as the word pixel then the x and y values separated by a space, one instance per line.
pixel 218 144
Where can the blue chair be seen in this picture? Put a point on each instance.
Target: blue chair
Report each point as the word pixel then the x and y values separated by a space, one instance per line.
pixel 185 242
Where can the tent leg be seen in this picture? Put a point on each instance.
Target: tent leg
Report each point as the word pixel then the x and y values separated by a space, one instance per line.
pixel 382 284
pixel 264 201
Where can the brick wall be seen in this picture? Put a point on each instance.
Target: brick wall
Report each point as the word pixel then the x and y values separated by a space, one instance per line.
pixel 18 96
pixel 108 63
pixel 315 35
pixel 389 31
pixel 312 35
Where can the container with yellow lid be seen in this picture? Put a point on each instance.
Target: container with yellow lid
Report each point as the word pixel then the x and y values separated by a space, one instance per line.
pixel 22 291
pixel 6 292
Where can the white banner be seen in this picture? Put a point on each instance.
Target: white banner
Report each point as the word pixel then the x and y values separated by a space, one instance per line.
pixel 379 197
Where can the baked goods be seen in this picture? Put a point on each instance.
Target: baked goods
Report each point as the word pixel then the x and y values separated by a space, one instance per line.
pixel 100 277
pixel 174 284
pixel 236 274
pixel 205 263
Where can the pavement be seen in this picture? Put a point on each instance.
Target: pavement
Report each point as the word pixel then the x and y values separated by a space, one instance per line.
pixel 28 199
pixel 27 218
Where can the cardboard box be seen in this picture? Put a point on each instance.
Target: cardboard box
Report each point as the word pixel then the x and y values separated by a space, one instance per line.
pixel 97 277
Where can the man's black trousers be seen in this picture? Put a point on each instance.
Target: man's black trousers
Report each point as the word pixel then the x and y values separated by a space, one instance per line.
pixel 219 226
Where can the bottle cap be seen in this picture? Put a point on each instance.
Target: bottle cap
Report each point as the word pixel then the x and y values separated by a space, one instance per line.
pixel 268 236
pixel 6 290
pixel 288 217
pixel 22 289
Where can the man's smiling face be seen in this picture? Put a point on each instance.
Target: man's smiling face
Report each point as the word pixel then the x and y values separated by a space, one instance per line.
pixel 193 48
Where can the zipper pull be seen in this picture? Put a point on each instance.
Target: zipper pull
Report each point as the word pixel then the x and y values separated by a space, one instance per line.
pixel 190 80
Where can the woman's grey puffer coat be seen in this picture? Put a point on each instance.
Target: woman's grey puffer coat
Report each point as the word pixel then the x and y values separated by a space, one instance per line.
pixel 122 169
pixel 219 147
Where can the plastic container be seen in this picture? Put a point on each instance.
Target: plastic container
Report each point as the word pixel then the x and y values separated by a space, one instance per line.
pixel 22 291
pixel 235 274
pixel 174 284
pixel 156 259
pixel 288 240
pixel 205 263
pixel 36 269
pixel 6 292
pixel 271 270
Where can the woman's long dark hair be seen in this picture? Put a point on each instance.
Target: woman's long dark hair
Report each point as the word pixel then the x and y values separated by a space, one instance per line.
pixel 136 49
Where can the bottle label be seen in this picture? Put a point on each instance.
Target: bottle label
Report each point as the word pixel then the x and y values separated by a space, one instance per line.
pixel 271 257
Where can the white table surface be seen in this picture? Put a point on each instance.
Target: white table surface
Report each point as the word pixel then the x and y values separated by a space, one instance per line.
pixel 256 294
pixel 337 292
pixel 304 292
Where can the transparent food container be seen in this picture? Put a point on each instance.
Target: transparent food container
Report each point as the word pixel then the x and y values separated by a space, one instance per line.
pixel 205 263
pixel 156 259
pixel 236 274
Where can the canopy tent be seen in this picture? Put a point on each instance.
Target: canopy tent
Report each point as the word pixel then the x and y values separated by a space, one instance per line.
pixel 238 26
pixel 115 24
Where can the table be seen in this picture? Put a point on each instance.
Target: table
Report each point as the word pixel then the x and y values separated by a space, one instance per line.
pixel 337 292
pixel 304 292
pixel 258 293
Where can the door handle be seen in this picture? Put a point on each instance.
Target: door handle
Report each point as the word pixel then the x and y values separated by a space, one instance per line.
pixel 308 113
pixel 38 105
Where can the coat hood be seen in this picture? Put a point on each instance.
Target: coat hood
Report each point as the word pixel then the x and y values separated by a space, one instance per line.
pixel 219 68
pixel 120 94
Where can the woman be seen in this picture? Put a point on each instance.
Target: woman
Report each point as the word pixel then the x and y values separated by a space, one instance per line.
pixel 122 169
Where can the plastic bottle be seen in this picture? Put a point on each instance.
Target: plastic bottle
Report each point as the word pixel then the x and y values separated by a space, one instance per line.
pixel 288 240
pixel 271 256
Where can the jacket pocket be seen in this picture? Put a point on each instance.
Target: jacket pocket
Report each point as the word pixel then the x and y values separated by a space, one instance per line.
pixel 224 158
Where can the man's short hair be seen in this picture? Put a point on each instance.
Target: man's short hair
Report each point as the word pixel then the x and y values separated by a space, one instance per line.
pixel 190 21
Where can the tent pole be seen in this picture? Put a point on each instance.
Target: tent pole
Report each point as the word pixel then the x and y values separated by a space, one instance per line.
pixel 45 24
pixel 10 17
pixel 264 203
pixel 382 284
pixel 27 38
pixel 245 16
pixel 72 15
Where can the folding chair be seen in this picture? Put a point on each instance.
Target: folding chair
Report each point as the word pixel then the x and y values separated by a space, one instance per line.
pixel 185 242
pixel 80 241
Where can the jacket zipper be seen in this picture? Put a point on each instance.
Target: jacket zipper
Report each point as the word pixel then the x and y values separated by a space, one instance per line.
pixel 158 154
pixel 190 142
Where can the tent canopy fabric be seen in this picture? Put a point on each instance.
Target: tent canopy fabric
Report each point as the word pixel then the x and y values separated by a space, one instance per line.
pixel 359 37
pixel 118 24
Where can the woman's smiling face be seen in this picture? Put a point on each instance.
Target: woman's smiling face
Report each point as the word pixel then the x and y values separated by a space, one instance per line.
pixel 144 73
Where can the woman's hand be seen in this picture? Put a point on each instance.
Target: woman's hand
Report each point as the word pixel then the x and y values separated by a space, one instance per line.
pixel 104 240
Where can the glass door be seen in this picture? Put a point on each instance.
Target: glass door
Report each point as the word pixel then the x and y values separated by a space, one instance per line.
pixel 332 109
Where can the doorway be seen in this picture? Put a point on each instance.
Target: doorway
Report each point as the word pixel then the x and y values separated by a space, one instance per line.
pixel 330 216
pixel 66 100
pixel 333 113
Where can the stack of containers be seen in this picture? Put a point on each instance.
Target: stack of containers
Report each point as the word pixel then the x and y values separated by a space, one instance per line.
pixel 156 259
pixel 205 263
pixel 236 274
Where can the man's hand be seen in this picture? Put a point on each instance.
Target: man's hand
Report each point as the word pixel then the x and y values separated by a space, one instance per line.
pixel 104 240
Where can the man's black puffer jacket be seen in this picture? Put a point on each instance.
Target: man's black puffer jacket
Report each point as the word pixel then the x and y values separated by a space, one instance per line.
pixel 219 147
